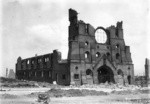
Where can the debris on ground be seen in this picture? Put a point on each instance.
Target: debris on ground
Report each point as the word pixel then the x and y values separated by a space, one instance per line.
pixel 11 83
pixel 8 96
pixel 44 98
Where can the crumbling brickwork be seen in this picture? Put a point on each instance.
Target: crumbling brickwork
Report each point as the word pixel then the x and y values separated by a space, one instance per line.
pixel 89 61
pixel 48 67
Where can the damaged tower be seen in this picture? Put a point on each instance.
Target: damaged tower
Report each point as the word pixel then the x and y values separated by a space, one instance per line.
pixel 95 56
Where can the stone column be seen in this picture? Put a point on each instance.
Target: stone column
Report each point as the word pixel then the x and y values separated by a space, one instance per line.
pixel 147 72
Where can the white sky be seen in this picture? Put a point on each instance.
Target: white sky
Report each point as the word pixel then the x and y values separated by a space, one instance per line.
pixel 32 27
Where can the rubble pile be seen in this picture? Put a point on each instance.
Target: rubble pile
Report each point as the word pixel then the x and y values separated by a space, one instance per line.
pixel 44 98
pixel 106 87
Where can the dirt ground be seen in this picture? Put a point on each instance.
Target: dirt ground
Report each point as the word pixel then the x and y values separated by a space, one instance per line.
pixel 21 96
pixel 26 92
pixel 109 99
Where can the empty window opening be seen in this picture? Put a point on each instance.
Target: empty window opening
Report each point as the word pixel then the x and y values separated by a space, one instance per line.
pixel 39 60
pixel 128 68
pixel 76 76
pixel 100 36
pixel 22 65
pixel 117 56
pixel 46 59
pixel 63 76
pixel 32 62
pixel 117 33
pixel 28 61
pixel 86 28
pixel 76 67
pixel 108 55
pixel 42 74
pixel 49 74
pixel 87 55
pixel 39 74
pixel 89 72
pixel 98 54
pixel 35 74
pixel 117 46
pixel 86 43
pixel 120 72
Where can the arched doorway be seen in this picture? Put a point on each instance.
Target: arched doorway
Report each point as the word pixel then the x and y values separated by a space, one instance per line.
pixel 120 77
pixel 105 74
pixel 89 76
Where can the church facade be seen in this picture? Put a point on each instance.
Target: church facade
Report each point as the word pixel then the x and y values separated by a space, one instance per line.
pixel 95 56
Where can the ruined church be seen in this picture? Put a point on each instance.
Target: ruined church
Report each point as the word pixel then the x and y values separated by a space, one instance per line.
pixel 95 55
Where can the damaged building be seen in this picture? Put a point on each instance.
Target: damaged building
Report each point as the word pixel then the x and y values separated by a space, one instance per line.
pixel 96 55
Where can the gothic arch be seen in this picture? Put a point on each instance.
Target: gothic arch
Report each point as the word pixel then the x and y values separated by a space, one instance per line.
pixel 105 74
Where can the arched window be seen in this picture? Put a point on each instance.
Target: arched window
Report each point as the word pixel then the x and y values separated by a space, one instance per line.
pixel 32 61
pixel 117 46
pixel 89 72
pixel 120 72
pixel 98 54
pixel 86 43
pixel 117 56
pixel 28 61
pixel 87 55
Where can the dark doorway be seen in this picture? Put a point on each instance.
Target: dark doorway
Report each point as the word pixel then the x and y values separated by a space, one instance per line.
pixel 105 74
pixel 89 76
pixel 129 79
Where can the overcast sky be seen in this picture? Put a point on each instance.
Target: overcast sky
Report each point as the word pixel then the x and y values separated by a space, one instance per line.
pixel 32 27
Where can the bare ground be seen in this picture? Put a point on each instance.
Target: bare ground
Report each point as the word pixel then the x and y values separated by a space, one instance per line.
pixel 115 97
pixel 109 99
pixel 26 92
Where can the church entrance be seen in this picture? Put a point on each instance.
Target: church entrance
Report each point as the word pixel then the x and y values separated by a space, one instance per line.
pixel 105 74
